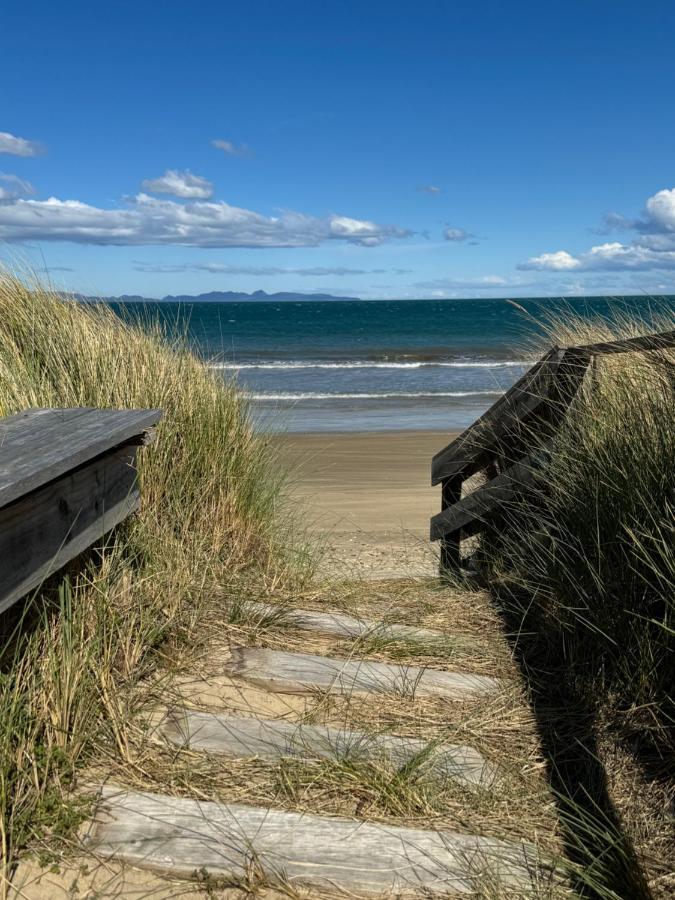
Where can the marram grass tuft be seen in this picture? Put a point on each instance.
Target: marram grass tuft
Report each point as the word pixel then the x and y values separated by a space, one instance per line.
pixel 211 495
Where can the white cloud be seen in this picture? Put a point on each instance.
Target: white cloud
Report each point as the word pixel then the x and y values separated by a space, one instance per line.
pixel 660 212
pixel 149 220
pixel 613 256
pixel 230 149
pixel 12 187
pixel 180 184
pixel 18 146
pixel 652 248
pixel 559 261
pixel 429 189
pixel 457 235
pixel 365 233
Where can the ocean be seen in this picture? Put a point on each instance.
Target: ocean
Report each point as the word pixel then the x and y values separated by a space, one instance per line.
pixel 370 365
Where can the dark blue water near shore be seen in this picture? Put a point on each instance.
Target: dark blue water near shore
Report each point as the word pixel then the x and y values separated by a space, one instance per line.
pixel 371 365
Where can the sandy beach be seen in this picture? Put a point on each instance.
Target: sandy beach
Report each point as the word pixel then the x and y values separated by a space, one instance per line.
pixel 369 494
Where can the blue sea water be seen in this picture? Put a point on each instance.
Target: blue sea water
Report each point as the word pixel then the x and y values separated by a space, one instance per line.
pixel 371 365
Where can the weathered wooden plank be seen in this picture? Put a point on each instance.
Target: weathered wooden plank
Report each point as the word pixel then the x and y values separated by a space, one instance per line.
pixel 294 673
pixel 345 626
pixel 42 531
pixel 485 501
pixel 644 343
pixel 37 446
pixel 183 836
pixel 28 429
pixel 240 736
pixel 478 443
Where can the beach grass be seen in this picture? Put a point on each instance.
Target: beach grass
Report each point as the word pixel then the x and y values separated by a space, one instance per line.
pixel 73 655
pixel 596 548
pixel 584 570
pixel 583 576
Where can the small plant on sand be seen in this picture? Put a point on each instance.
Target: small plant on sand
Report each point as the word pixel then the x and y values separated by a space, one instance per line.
pixel 374 788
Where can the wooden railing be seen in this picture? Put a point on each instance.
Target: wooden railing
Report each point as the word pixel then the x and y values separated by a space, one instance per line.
pixel 67 477
pixel 512 441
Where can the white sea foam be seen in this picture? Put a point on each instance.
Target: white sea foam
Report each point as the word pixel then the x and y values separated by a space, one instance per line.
pixel 311 395
pixel 365 364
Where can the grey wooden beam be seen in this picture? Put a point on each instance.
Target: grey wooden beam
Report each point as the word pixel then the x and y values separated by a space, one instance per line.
pixel 273 739
pixel 646 343
pixel 39 445
pixel 293 673
pixel 346 626
pixel 47 528
pixel 181 836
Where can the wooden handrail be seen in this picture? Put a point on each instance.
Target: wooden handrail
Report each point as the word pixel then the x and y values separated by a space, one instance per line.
pixel 468 453
pixel 478 506
pixel 528 413
pixel 643 344
pixel 67 478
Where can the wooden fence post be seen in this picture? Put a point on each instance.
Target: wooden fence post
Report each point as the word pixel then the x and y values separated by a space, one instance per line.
pixel 451 492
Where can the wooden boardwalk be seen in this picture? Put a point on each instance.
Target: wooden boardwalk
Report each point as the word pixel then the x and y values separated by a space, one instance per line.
pixel 185 836
pixel 295 673
pixel 244 736
pixel 179 836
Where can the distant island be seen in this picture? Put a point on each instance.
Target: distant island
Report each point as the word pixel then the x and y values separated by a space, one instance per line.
pixel 215 297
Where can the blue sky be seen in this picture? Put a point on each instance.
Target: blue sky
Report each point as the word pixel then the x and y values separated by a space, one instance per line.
pixel 369 149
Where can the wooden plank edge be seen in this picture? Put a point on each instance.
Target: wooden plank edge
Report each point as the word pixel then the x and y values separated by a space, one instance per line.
pixel 132 433
pixel 479 504
pixel 475 446
pixel 185 836
pixel 114 516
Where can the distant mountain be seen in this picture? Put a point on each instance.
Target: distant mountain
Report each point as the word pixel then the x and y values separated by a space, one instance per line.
pixel 218 297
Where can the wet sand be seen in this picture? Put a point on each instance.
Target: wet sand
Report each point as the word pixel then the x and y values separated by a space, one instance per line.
pixel 369 495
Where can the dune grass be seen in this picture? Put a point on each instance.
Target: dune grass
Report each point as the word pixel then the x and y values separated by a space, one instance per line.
pixel 584 574
pixel 208 523
pixel 584 567
pixel 596 548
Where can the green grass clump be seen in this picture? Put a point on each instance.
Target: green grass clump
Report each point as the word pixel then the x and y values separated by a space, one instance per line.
pixel 208 521
pixel 583 567
pixel 592 555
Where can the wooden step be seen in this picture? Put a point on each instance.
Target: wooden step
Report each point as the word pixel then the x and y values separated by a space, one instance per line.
pixel 184 836
pixel 269 739
pixel 351 626
pixel 285 672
